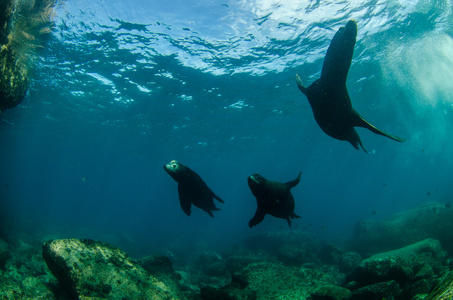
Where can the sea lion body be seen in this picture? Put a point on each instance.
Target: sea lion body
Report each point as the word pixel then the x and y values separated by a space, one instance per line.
pixel 273 198
pixel 328 96
pixel 192 189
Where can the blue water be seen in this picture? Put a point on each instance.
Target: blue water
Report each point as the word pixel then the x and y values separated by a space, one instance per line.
pixel 123 87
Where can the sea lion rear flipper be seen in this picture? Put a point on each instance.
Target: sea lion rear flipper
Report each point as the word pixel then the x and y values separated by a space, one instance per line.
pixel 339 55
pixel 259 216
pixel 354 138
pixel 294 216
pixel 361 122
pixel 289 221
pixel 293 183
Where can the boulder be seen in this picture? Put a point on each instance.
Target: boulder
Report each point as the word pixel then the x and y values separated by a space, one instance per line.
pixel 158 266
pixel 378 291
pixel 274 280
pixel 294 248
pixel 331 292
pixel 431 220
pixel 26 275
pixel 444 291
pixel 404 265
pixel 4 253
pixel 334 255
pixel 90 269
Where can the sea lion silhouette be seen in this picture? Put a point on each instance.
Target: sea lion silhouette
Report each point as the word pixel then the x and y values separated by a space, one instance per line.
pixel 273 198
pixel 192 189
pixel 328 95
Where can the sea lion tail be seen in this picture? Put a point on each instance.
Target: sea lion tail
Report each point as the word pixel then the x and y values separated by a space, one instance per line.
pixel 294 182
pixel 300 85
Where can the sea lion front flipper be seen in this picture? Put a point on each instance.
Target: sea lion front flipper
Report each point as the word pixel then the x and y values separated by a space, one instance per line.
pixel 361 122
pixel 293 183
pixel 300 85
pixel 339 55
pixel 259 216
pixel 218 198
pixel 184 200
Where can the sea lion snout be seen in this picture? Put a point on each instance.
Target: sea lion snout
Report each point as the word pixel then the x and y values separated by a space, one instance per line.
pixel 255 179
pixel 173 168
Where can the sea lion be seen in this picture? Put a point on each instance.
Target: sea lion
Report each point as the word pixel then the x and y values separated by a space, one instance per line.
pixel 273 198
pixel 328 95
pixel 192 189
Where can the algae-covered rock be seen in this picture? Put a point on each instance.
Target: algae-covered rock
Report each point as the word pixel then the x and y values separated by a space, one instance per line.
pixel 22 26
pixel 90 269
pixel 212 264
pixel 444 291
pixel 331 292
pixel 273 280
pixel 333 254
pixel 226 293
pixel 379 291
pixel 158 266
pixel 276 281
pixel 26 276
pixel 4 253
pixel 401 265
pixel 431 220
pixel 295 248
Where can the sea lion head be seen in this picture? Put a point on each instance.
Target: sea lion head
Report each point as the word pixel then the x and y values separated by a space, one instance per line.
pixel 256 183
pixel 175 169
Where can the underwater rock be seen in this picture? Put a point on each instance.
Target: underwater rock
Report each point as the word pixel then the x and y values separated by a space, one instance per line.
pixel 158 266
pixel 212 264
pixel 414 269
pixel 10 288
pixel 432 220
pixel 331 292
pixel 90 269
pixel 229 292
pixel 348 261
pixel 334 255
pixel 276 281
pixel 382 290
pixel 26 276
pixel 273 280
pixel 420 287
pixel 4 253
pixel 402 265
pixel 13 80
pixel 161 268
pixel 242 257
pixel 294 256
pixel 22 24
pixel 444 291
pixel 286 246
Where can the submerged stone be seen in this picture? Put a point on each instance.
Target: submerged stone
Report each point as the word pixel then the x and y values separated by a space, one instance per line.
pixel 382 290
pixel 4 253
pixel 331 292
pixel 90 269
pixel 444 291
pixel 431 220
pixel 402 265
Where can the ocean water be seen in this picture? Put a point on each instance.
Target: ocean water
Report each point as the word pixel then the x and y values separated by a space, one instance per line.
pixel 123 87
